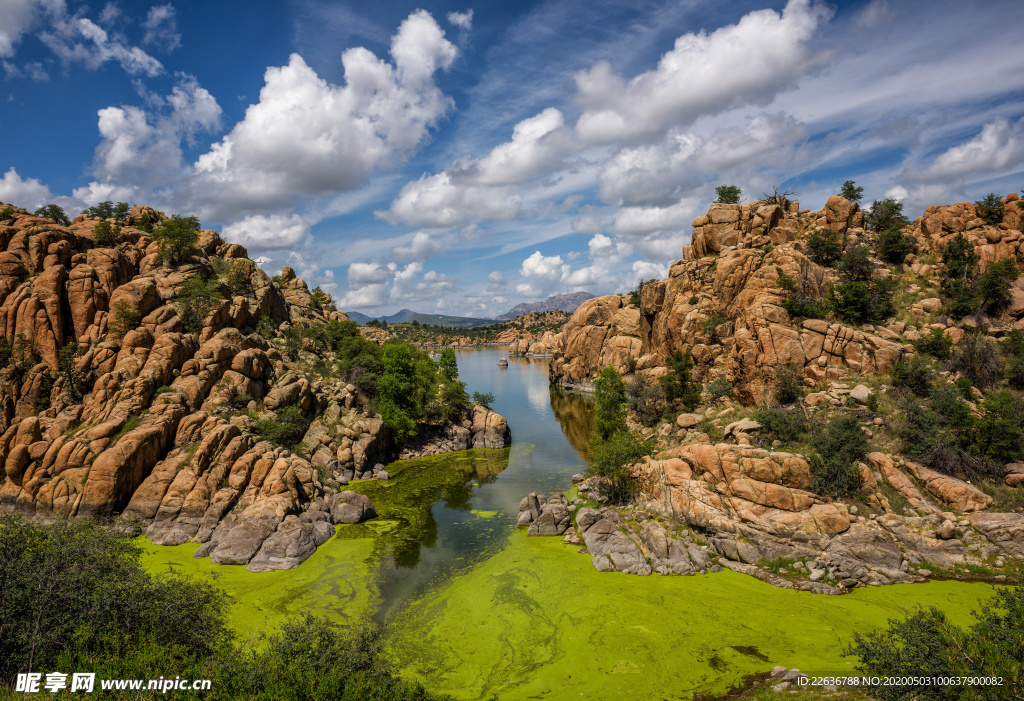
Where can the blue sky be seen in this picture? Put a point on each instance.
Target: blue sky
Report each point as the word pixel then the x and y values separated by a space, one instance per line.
pixel 459 158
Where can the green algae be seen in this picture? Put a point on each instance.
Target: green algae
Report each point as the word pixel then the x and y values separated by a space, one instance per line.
pixel 537 621
pixel 337 581
pixel 483 514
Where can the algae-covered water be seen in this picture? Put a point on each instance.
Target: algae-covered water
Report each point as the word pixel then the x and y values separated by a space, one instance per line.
pixel 474 608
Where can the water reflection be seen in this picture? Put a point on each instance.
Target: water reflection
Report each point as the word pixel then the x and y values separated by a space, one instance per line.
pixel 575 414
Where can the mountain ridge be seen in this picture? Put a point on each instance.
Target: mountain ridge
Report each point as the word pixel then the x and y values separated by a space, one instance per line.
pixel 560 302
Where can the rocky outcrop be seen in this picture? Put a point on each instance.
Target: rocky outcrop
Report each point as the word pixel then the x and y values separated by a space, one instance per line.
pixel 157 423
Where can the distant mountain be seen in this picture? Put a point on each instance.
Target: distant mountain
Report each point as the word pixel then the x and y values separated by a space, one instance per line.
pixel 565 303
pixel 408 316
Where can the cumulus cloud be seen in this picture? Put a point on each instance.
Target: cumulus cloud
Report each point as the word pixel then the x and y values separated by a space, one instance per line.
pixel 436 200
pixel 480 189
pixel 19 16
pixel 462 20
pixel 265 232
pixel 999 145
pixel 161 28
pixel 741 64
pixel 33 70
pixel 306 137
pixel 23 192
pixel 367 285
pixel 541 273
pixel 141 149
pixel 421 247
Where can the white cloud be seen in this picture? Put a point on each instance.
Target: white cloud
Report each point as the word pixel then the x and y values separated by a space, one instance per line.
pixel 1000 145
pixel 462 20
pixel 421 247
pixel 306 137
pixel 265 232
pixel 874 15
pixel 23 192
pixel 541 273
pixel 18 17
pixel 142 150
pixel 437 201
pixel 33 70
pixel 161 25
pixel 496 278
pixel 479 189
pixel 646 270
pixel 704 74
pixel 643 220
pixel 78 39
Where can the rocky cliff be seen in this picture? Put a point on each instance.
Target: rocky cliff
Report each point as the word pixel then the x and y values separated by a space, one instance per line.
pixel 713 483
pixel 110 403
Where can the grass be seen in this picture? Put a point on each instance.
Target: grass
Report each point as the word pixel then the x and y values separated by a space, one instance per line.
pixel 129 424
pixel 1004 498
pixel 803 693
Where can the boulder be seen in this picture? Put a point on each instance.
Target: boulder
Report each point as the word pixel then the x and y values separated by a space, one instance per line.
pixel 350 507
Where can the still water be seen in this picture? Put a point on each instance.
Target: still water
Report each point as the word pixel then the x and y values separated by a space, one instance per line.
pixel 449 512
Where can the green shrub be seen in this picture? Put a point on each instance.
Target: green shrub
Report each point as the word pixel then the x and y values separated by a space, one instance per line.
pixel 483 398
pixel 67 367
pixel 610 460
pixel 105 234
pixel 861 298
pixel 788 383
pixel 1000 432
pixel 646 399
pixel 1013 354
pixel 286 429
pixel 681 389
pixel 266 328
pixel 914 374
pixel 977 359
pixel 990 208
pixel 786 425
pixel 103 210
pixel 55 213
pixel 797 303
pixel 8 214
pixel 634 296
pixel 194 299
pixel 851 191
pixel 994 284
pixel 824 246
pixel 710 327
pixel 839 446
pixel 885 214
pixel 719 389
pixel 935 343
pixel 894 246
pixel 176 239
pixel 122 319
pixel 694 299
pixel 611 397
pixel 728 194
pixel 960 262
pixel 926 644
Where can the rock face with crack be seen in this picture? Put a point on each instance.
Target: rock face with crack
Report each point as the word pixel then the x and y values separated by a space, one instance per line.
pixel 155 420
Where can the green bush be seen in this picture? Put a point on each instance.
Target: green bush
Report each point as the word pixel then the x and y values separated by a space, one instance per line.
pixel 67 367
pixel 176 239
pixel 824 246
pixel 719 389
pixel 55 213
pixel 990 208
pixel 710 327
pixel 483 398
pixel 105 234
pixel 122 319
pixel 960 262
pixel 681 389
pixel 926 644
pixel 195 298
pixel 788 383
pixel 728 194
pixel 894 246
pixel 914 374
pixel 885 214
pixel 935 343
pixel 977 359
pixel 611 397
pixel 1013 354
pixel 286 429
pixel 839 446
pixel 994 284
pixel 797 303
pixel 8 214
pixel 634 296
pixel 646 399
pixel 786 425
pixel 861 298
pixel 1000 432
pixel 610 460
pixel 851 191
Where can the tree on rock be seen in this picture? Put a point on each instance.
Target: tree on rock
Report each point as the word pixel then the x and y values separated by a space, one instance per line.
pixel 850 191
pixel 55 213
pixel 728 194
pixel 610 392
pixel 176 239
pixel 395 390
pixel 681 389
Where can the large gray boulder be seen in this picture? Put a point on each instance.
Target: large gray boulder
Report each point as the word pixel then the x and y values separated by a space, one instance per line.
pixel 350 507
pixel 295 539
